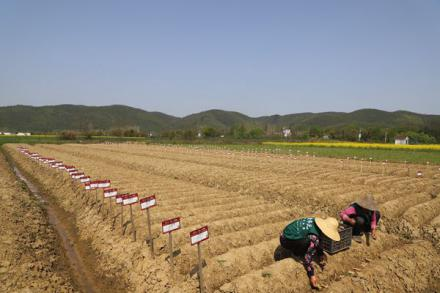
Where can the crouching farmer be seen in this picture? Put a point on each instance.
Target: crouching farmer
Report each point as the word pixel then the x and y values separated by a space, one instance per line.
pixel 303 237
pixel 363 215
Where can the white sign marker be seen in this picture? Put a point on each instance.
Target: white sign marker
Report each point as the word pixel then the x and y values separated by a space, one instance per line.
pixel 199 235
pixel 110 192
pixel 104 183
pixel 170 225
pixel 148 202
pixel 119 197
pixel 84 179
pixel 130 199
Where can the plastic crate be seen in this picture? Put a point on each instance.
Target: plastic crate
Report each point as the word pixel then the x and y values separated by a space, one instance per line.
pixel 332 246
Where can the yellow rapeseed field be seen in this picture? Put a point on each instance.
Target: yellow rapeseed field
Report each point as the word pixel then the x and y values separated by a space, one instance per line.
pixel 362 145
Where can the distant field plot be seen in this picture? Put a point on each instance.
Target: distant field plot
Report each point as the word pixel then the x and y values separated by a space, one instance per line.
pixel 361 145
pixel 246 197
pixel 397 155
pixel 33 139
pixel 29 139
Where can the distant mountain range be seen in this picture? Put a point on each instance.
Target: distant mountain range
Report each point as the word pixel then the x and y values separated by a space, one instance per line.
pixel 76 117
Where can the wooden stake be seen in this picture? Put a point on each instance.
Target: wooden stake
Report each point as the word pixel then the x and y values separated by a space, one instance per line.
pixel 122 219
pixel 132 223
pixel 149 233
pixel 170 245
pixel 201 283
pixel 110 206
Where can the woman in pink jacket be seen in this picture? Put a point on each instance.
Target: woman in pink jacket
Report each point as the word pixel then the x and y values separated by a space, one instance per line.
pixel 363 215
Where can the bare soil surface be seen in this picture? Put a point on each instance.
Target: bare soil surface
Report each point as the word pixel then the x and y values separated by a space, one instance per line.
pixel 30 257
pixel 245 199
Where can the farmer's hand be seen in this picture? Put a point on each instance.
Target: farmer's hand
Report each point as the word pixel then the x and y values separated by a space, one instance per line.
pixel 373 234
pixel 352 221
pixel 314 282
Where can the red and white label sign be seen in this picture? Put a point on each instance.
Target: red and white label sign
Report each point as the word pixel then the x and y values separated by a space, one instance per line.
pixel 70 168
pixel 94 184
pixel 199 235
pixel 84 179
pixel 87 186
pixel 147 202
pixel 72 171
pixel 170 225
pixel 119 197
pixel 104 183
pixel 130 199
pixel 77 175
pixel 110 192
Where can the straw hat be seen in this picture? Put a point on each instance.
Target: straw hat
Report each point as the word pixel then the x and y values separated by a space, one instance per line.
pixel 367 202
pixel 329 227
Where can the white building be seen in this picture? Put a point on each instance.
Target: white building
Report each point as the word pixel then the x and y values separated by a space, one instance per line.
pixel 401 140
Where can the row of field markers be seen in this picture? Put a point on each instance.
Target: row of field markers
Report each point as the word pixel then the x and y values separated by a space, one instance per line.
pixel 128 199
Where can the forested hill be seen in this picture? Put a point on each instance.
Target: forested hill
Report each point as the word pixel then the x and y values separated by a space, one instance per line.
pixel 76 117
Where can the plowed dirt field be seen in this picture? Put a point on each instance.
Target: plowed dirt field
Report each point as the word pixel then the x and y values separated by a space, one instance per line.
pixel 30 259
pixel 245 199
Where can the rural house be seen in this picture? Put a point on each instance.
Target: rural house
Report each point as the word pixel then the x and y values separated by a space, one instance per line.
pixel 401 140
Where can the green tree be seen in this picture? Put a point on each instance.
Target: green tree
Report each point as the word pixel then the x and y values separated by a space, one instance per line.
pixel 238 131
pixel 69 135
pixel 256 133
pixel 420 137
pixel 189 134
pixel 116 132
pixel 315 132
pixel 168 134
pixel 210 132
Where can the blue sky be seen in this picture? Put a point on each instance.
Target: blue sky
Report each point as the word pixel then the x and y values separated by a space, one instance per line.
pixel 255 57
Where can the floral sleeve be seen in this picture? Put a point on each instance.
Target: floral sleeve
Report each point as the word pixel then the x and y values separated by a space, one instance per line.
pixel 313 249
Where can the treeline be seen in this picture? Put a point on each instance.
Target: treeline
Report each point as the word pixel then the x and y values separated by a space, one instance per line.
pixel 89 134
pixel 348 133
pixel 368 134
pixel 241 131
pixel 237 132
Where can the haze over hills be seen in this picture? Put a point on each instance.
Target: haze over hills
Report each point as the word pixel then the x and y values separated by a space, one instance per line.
pixel 77 117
